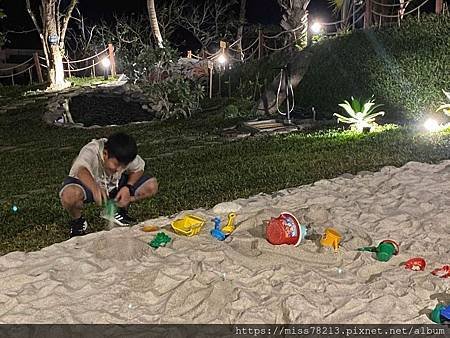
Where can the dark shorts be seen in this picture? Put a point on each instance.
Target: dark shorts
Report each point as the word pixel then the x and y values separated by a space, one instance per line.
pixel 89 197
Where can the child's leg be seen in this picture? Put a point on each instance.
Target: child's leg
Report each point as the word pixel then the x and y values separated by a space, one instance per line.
pixel 72 199
pixel 146 189
pixel 73 195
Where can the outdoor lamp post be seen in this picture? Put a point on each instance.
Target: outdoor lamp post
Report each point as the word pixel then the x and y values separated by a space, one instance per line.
pixel 222 59
pixel 106 63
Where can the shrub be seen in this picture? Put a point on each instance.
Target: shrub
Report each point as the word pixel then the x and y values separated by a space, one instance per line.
pixel 171 94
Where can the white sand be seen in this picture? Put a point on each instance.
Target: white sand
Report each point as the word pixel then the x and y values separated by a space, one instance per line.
pixel 115 277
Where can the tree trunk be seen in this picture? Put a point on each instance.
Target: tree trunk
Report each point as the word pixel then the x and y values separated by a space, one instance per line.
pixel 241 28
pixel 154 22
pixel 56 68
pixel 52 29
pixel 56 72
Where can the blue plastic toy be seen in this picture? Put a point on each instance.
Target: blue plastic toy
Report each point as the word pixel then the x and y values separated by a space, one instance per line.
pixel 216 232
pixel 441 314
pixel 445 312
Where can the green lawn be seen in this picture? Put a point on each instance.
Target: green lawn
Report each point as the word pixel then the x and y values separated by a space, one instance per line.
pixel 194 165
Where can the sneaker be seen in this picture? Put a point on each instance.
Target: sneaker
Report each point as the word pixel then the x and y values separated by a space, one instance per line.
pixel 78 227
pixel 120 218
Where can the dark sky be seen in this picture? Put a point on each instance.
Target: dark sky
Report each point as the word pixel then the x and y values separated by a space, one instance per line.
pixel 258 11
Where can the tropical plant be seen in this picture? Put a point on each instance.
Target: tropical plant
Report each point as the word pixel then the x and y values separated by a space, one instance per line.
pixel 445 107
pixel 360 115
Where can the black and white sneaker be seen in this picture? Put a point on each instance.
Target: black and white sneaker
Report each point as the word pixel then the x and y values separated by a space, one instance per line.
pixel 78 227
pixel 121 218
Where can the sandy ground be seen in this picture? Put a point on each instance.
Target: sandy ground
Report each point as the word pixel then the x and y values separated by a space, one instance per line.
pixel 115 277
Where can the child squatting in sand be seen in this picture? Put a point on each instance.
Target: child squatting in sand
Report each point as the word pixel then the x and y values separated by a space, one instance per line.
pixel 106 169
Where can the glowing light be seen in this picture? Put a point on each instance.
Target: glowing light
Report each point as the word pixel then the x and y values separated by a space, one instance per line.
pixel 431 125
pixel 106 63
pixel 222 59
pixel 316 27
pixel 14 208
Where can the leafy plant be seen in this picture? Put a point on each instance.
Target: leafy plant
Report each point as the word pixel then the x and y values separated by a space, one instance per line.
pixel 445 107
pixel 360 115
pixel 174 97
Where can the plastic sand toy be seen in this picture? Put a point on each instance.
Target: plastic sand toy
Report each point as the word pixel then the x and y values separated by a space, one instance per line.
pixel 150 228
pixel 161 239
pixel 285 229
pixel 416 264
pixel 216 232
pixel 229 228
pixel 332 238
pixel 189 225
pixel 443 272
pixel 384 251
pixel 441 314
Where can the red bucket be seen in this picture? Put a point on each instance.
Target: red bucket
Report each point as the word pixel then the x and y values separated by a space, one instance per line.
pixel 285 229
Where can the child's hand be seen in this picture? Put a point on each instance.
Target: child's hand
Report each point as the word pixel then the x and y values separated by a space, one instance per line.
pixel 100 195
pixel 123 197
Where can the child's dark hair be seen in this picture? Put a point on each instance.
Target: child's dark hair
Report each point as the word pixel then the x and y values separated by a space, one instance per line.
pixel 121 147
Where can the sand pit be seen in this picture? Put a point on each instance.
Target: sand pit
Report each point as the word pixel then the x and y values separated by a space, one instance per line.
pixel 115 277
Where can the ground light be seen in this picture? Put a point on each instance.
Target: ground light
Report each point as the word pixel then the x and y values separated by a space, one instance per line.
pixel 432 125
pixel 106 63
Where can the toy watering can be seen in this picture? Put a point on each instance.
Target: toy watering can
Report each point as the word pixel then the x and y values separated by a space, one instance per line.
pixel 384 251
pixel 331 238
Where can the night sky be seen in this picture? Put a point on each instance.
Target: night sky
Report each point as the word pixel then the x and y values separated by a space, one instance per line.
pixel 258 11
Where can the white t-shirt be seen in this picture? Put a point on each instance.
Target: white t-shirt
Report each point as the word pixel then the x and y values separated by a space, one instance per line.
pixel 91 157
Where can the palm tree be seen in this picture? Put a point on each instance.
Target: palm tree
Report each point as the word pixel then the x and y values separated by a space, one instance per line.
pixel 154 22
pixel 343 7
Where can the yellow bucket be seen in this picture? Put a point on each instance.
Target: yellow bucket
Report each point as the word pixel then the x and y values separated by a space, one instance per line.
pixel 331 238
pixel 189 225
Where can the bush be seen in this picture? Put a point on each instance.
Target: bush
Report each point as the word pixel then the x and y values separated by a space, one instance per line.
pixel 403 67
pixel 171 94
pixel 174 97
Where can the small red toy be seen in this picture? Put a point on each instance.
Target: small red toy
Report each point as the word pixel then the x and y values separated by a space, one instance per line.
pixel 443 272
pixel 416 264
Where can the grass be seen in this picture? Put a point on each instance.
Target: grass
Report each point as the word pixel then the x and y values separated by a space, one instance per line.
pixel 194 165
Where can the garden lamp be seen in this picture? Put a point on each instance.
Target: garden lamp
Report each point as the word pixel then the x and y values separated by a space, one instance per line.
pixel 316 27
pixel 431 125
pixel 106 63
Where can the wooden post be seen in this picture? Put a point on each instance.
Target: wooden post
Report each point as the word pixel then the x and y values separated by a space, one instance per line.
pixel 31 76
pixel 111 59
pixel 368 14
pixel 38 67
pixel 439 5
pixel 260 42
pixel 12 77
pixel 68 67
pixel 93 68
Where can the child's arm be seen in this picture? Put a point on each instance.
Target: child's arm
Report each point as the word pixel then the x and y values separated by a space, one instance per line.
pixel 85 176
